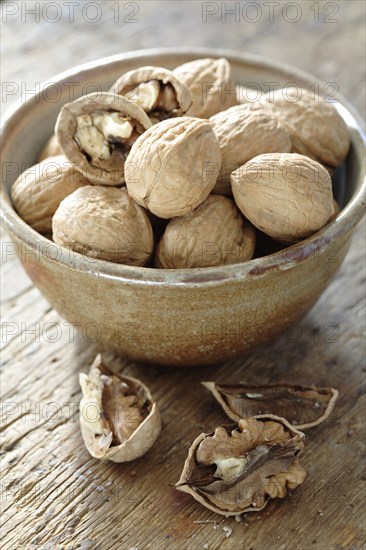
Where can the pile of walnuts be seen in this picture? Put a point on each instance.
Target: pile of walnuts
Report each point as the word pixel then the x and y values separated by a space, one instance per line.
pixel 171 169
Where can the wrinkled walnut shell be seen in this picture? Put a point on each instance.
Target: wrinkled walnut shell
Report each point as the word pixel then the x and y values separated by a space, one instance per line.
pixel 51 149
pixel 287 196
pixel 316 128
pixel 105 223
pixel 173 166
pixel 245 132
pixel 303 406
pixel 213 234
pixel 127 85
pixel 238 468
pixel 112 172
pixel 210 83
pixel 37 192
pixel 119 419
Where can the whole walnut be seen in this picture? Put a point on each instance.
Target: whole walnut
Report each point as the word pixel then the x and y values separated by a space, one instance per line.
pixel 37 192
pixel 213 234
pixel 244 132
pixel 51 149
pixel 287 196
pixel 210 83
pixel 316 128
pixel 173 166
pixel 105 223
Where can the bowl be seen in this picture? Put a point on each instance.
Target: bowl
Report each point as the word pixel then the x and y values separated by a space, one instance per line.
pixel 175 317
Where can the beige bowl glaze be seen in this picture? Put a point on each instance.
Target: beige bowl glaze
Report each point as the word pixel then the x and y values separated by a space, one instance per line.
pixel 180 317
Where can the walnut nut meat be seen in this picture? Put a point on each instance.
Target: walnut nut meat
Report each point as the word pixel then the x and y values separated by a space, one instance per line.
pixel 238 468
pixel 173 166
pixel 37 192
pixel 96 133
pixel 104 223
pixel 213 234
pixel 119 419
pixel 210 83
pixel 156 90
pixel 287 196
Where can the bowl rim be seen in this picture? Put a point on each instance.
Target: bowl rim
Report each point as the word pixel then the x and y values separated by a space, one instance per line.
pixel 285 259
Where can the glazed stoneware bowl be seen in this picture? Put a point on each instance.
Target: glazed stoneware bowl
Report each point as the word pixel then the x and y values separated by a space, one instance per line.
pixel 176 317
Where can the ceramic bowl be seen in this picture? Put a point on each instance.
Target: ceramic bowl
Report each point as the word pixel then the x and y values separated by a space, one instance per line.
pixel 176 317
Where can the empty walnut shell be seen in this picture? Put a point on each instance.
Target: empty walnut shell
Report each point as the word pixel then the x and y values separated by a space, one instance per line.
pixel 210 83
pixel 302 406
pixel 96 133
pixel 51 149
pixel 173 166
pixel 215 233
pixel 316 128
pixel 156 90
pixel 37 192
pixel 287 196
pixel 119 419
pixel 245 132
pixel 105 223
pixel 238 468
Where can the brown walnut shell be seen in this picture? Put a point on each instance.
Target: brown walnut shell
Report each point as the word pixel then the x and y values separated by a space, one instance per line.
pixel 287 196
pixel 238 468
pixel 170 102
pixel 51 149
pixel 173 166
pixel 118 418
pixel 36 194
pixel 302 406
pixel 99 171
pixel 210 83
pixel 104 223
pixel 215 233
pixel 316 128
pixel 245 132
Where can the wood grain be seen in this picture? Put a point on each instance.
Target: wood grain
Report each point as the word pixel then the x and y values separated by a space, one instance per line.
pixel 54 495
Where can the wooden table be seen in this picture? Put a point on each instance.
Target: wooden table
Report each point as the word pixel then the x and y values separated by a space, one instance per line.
pixel 54 495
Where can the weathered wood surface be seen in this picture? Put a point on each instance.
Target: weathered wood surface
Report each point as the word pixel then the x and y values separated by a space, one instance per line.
pixel 54 495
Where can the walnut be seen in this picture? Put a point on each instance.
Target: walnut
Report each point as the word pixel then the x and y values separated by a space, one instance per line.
pixel 118 418
pixel 173 166
pixel 287 196
pixel 51 149
pixel 316 128
pixel 238 468
pixel 302 406
pixel 210 83
pixel 105 223
pixel 213 234
pixel 160 94
pixel 37 192
pixel 96 133
pixel 245 132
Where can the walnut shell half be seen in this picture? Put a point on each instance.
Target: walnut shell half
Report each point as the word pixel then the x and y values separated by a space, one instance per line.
pixel 213 234
pixel 303 406
pixel 156 90
pixel 287 196
pixel 96 133
pixel 211 85
pixel 238 468
pixel 119 419
pixel 173 166
pixel 37 192
pixel 244 132
pixel 105 223
pixel 316 128
pixel 51 149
